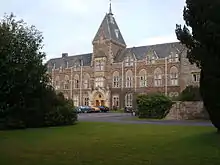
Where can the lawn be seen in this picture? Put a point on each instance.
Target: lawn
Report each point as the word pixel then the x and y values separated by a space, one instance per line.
pixel 111 144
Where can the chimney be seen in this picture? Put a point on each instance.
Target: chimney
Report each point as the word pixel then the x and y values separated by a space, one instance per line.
pixel 64 55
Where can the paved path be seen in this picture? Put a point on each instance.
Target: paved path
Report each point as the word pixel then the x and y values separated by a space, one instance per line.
pixel 127 118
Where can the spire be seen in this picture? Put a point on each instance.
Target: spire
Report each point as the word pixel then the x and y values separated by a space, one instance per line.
pixel 110 7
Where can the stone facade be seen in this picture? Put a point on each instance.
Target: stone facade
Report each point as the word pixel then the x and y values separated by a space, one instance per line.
pixel 113 74
pixel 187 111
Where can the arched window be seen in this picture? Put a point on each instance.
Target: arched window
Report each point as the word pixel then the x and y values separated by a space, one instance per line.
pixel 157 77
pixel 129 78
pixel 143 78
pixel 174 76
pixel 128 100
pixel 116 80
pixel 86 80
pixel 66 82
pixel 57 82
pixel 76 81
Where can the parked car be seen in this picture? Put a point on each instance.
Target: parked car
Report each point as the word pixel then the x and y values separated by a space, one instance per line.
pixel 84 109
pixel 96 109
pixel 104 108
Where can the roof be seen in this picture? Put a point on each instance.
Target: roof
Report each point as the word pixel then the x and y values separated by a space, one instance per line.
pixel 140 53
pixel 160 50
pixel 109 30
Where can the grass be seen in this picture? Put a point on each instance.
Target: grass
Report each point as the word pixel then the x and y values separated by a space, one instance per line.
pixel 111 144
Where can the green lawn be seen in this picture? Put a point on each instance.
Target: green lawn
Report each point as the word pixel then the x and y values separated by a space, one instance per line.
pixel 111 144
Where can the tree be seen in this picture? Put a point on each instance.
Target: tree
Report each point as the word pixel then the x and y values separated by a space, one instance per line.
pixel 25 96
pixel 203 49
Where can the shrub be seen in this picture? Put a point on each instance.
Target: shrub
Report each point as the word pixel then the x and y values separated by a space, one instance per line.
pixel 190 93
pixel 155 106
pixel 63 112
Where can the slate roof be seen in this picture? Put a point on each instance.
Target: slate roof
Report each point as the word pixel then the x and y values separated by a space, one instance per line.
pixel 140 53
pixel 161 50
pixel 110 30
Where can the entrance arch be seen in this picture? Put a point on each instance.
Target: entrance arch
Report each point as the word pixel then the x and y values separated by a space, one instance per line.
pixel 99 99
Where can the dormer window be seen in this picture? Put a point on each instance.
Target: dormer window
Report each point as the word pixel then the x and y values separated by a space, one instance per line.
pixel 117 33
pixel 112 19
pixel 129 61
pixel 176 58
pixel 153 60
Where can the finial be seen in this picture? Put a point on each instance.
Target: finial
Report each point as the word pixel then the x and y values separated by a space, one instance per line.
pixel 110 7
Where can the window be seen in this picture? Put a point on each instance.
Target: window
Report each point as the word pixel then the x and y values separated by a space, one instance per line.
pixel 86 81
pixel 76 81
pixel 153 60
pixel 196 77
pixel 129 61
pixel 86 101
pixel 143 78
pixel 176 58
pixel 115 101
pixel 117 33
pixel 116 79
pixel 76 100
pixel 66 82
pixel 129 77
pixel 66 65
pixel 99 82
pixel 99 65
pixel 157 77
pixel 174 76
pixel 173 57
pixel 128 100
pixel 57 82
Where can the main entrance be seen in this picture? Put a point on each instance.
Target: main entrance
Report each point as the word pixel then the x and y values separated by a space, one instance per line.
pixel 99 99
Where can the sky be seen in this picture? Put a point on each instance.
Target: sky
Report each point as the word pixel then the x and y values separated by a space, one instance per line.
pixel 69 26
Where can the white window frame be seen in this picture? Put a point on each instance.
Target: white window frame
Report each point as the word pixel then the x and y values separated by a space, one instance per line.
pixel 158 80
pixel 115 101
pixel 129 100
pixel 129 81
pixel 143 81
pixel 99 82
pixel 129 61
pixel 174 79
pixel 116 81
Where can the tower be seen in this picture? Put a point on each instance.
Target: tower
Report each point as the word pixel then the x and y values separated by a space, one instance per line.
pixel 108 40
pixel 107 43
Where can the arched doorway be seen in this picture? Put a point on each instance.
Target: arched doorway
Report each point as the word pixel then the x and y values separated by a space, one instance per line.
pixel 98 99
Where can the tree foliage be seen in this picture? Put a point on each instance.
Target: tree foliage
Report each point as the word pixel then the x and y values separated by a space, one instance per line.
pixel 203 43
pixel 25 96
pixel 155 106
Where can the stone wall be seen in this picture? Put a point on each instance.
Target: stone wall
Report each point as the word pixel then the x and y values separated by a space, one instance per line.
pixel 189 110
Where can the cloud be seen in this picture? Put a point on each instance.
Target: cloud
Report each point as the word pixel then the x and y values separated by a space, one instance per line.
pixel 158 40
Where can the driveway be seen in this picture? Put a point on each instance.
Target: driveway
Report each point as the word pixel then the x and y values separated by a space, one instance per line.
pixel 127 118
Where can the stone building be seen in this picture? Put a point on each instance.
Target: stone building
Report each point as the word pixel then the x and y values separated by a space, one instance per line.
pixel 113 74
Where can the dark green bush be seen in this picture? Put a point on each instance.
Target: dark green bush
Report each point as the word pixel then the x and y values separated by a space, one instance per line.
pixel 63 112
pixel 154 106
pixel 190 93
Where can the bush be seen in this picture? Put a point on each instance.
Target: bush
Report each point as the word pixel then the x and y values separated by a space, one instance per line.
pixel 190 93
pixel 154 106
pixel 63 112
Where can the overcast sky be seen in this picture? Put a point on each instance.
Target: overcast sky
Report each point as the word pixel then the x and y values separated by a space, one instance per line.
pixel 70 25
